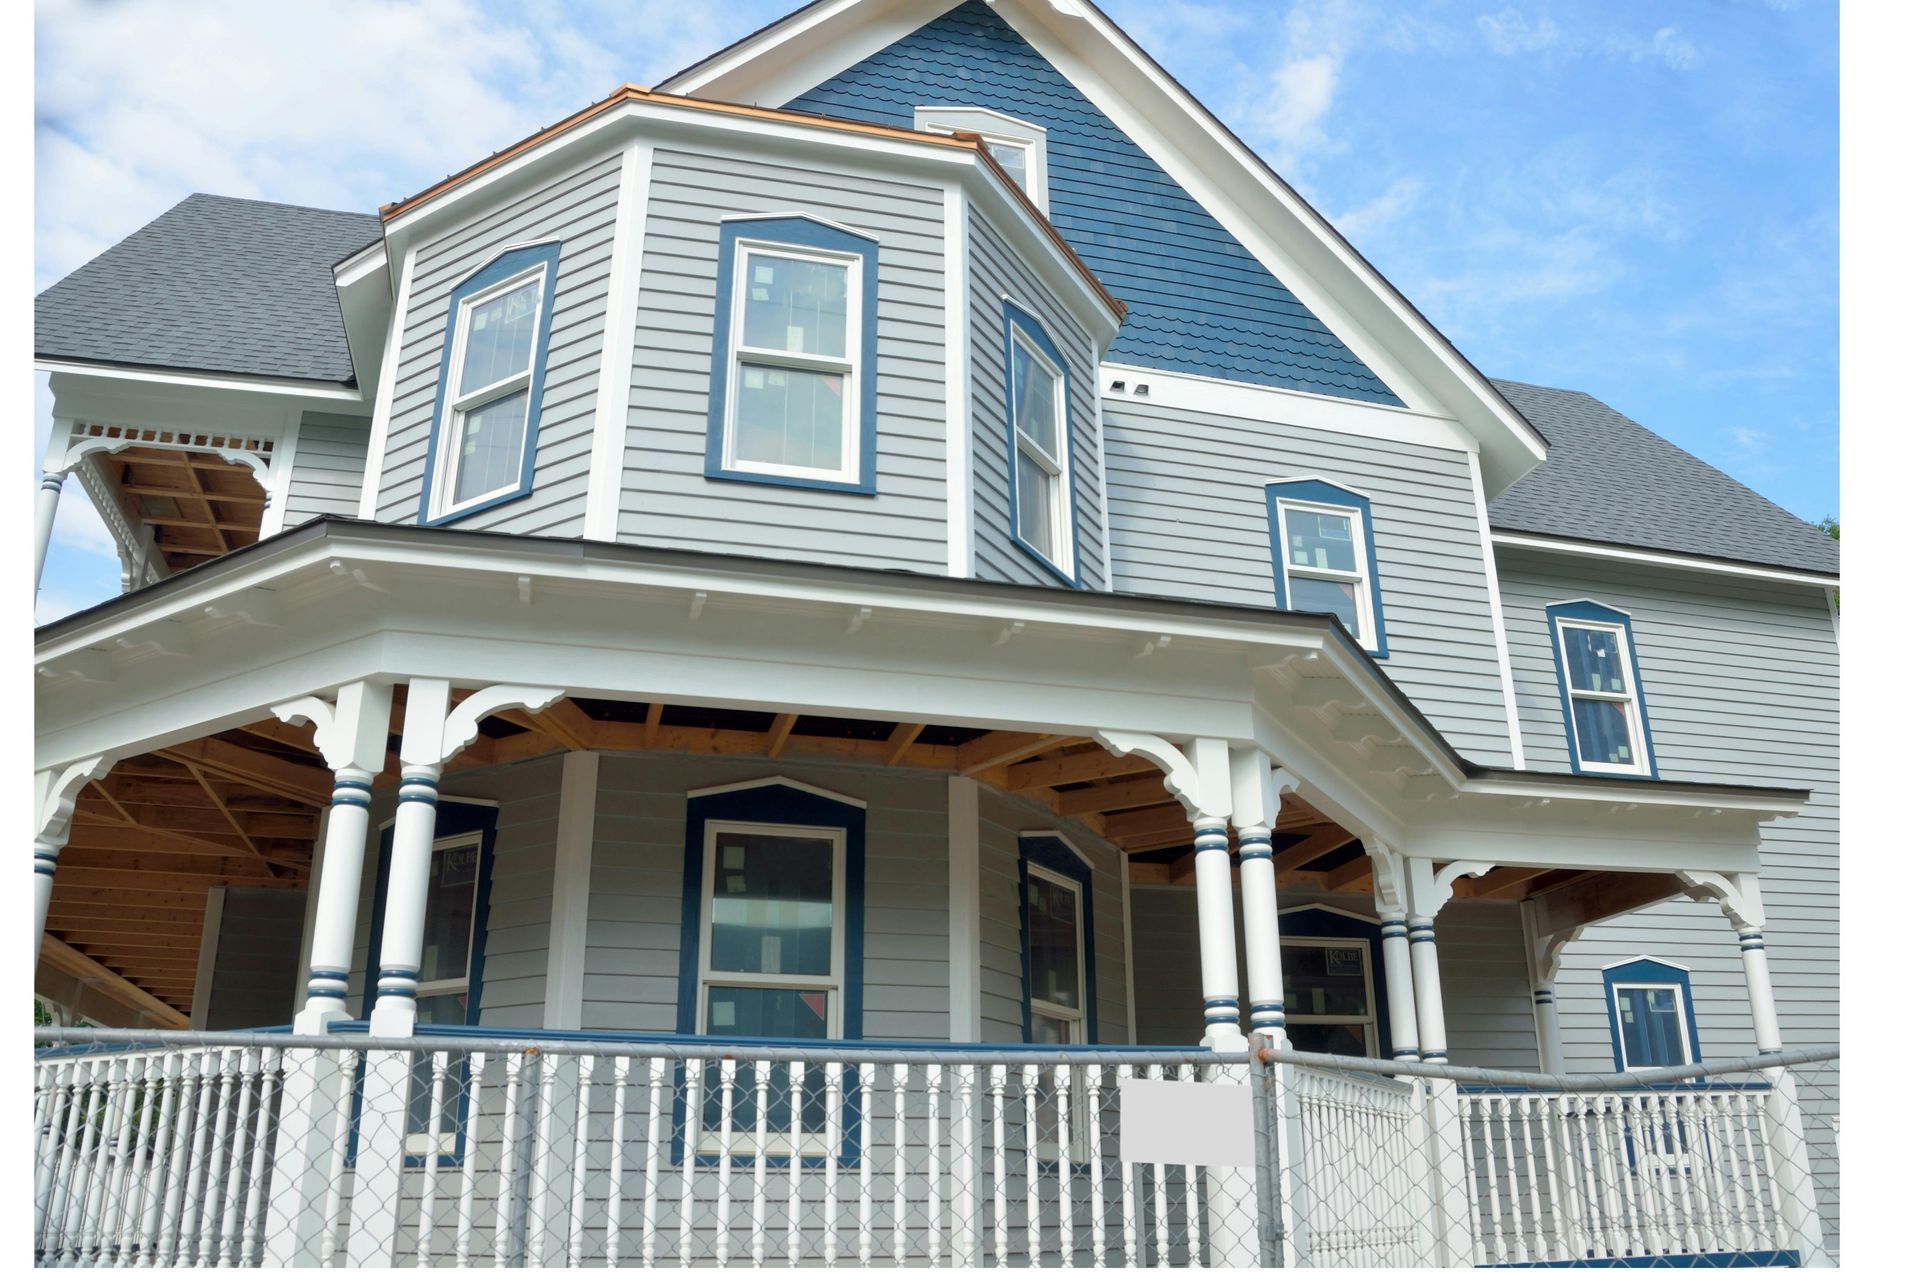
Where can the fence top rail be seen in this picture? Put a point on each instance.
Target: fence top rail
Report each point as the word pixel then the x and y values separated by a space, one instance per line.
pixel 103 1043
pixel 1677 1077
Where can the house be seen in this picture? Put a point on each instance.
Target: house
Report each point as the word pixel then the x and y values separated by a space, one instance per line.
pixel 906 550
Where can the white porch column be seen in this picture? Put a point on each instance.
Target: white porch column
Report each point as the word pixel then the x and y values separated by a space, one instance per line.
pixel 46 506
pixel 1430 886
pixel 54 792
pixel 431 736
pixel 1390 903
pixel 1543 969
pixel 1256 797
pixel 351 734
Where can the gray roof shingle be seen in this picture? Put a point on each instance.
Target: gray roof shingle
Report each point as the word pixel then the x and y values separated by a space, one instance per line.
pixel 213 284
pixel 1607 479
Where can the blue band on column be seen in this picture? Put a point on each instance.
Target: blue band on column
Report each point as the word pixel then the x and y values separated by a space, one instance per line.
pixel 1256 854
pixel 349 791
pixel 1543 996
pixel 1406 1053
pixel 1440 1056
pixel 1210 843
pixel 1393 930
pixel 398 982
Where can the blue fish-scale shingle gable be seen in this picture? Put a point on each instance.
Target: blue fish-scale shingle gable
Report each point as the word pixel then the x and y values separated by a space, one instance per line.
pixel 1198 301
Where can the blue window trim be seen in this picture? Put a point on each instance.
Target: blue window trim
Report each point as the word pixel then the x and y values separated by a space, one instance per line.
pixel 780 803
pixel 1316 490
pixel 1594 612
pixel 1050 852
pixel 513 261
pixel 1029 326
pixel 452 816
pixel 797 231
pixel 1648 971
pixel 1308 922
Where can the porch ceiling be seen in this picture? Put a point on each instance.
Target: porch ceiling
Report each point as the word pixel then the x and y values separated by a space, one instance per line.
pixel 197 505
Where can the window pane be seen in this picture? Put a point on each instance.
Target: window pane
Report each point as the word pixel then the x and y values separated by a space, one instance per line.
pixel 1326 596
pixel 1593 661
pixel 1053 944
pixel 772 911
pixel 492 442
pixel 783 416
pixel 767 1013
pixel 1650 1027
pixel 1035 402
pixel 1324 980
pixel 1036 505
pixel 1052 1031
pixel 796 306
pixel 1604 731
pixel 1012 158
pixel 1321 540
pixel 500 337
pixel 452 876
pixel 1337 1040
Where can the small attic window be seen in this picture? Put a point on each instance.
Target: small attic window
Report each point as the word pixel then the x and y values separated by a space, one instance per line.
pixel 1016 145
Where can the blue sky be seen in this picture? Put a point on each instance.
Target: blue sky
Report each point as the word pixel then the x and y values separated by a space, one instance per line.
pixel 1635 199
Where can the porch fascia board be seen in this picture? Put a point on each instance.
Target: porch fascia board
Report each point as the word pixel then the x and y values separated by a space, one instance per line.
pixel 338 600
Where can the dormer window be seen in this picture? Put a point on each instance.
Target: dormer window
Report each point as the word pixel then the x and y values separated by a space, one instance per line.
pixel 1606 714
pixel 487 410
pixel 1016 145
pixel 793 371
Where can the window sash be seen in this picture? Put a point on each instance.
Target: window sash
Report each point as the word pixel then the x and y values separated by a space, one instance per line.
pixel 445 1142
pixel 1369 1018
pixel 1360 576
pixel 1060 1011
pixel 1678 991
pixel 1630 696
pixel 1053 467
pixel 832 983
pixel 459 406
pixel 740 354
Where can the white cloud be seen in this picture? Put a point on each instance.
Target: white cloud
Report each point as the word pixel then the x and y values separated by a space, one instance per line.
pixel 1389 206
pixel 1302 94
pixel 1508 32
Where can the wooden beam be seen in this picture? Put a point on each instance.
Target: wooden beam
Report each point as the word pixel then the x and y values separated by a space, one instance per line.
pixel 777 735
pixel 269 773
pixel 1312 848
pixel 222 496
pixel 995 749
pixel 1167 819
pixel 96 924
pixel 73 894
pixel 62 957
pixel 220 804
pixel 1508 883
pixel 901 740
pixel 1351 876
pixel 655 710
pixel 1598 895
pixel 247 869
pixel 1082 766
pixel 1137 792
pixel 145 881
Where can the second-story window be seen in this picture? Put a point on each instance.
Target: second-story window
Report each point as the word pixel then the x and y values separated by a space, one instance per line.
pixel 487 410
pixel 1323 557
pixel 1606 718
pixel 793 355
pixel 1016 145
pixel 1040 447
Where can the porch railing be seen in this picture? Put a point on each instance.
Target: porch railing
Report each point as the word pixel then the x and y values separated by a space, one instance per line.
pixel 459 1147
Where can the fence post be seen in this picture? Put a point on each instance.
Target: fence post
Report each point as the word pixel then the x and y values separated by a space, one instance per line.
pixel 314 1098
pixel 1787 1138
pixel 1448 1175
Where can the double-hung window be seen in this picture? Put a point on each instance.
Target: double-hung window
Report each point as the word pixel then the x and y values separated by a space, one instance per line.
pixel 1057 994
pixel 794 351
pixel 1041 460
pixel 488 404
pixel 1324 562
pixel 1600 690
pixel 446 981
pixel 1329 995
pixel 1650 1009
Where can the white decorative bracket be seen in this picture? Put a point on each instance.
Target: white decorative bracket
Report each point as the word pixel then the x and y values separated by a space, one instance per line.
pixel 1197 776
pixel 55 791
pixel 1431 887
pixel 1389 877
pixel 463 722
pixel 1544 948
pixel 350 731
pixel 1738 895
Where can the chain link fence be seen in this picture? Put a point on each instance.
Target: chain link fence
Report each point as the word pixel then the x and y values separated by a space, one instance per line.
pixel 456 1149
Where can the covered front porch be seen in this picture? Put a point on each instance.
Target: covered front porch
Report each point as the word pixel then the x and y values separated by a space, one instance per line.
pixel 847 823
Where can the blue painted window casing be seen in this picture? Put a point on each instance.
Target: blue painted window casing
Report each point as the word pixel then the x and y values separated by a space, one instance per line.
pixel 1046 530
pixel 1650 1014
pixel 493 363
pixel 779 810
pixel 455 820
pixel 1198 301
pixel 1602 699
pixel 1323 556
pixel 1041 856
pixel 759 254
pixel 1351 939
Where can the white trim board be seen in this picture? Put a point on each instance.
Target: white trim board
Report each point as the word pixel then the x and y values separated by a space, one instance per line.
pixel 572 888
pixel 1180 391
pixel 1497 609
pixel 1674 560
pixel 606 467
pixel 309 389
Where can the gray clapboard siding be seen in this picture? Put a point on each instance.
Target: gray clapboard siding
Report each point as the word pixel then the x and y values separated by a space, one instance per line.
pixel 1483 973
pixel 578 210
pixel 1002 820
pixel 634 910
pixel 666 498
pixel 1742 685
pixel 998 275
pixel 1218 547
pixel 256 957
pixel 329 464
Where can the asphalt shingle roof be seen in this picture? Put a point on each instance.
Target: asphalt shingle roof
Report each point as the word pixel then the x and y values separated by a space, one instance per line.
pixel 213 284
pixel 1609 480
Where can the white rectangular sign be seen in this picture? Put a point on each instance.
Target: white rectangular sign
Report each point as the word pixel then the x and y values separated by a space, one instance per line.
pixel 1186 1123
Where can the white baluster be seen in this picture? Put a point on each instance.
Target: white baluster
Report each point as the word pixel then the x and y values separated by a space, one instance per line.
pixel 208 1193
pixel 723 1210
pixel 58 1077
pixel 125 1119
pixel 762 1088
pixel 540 1177
pixel 899 1164
pixel 249 1060
pixel 257 1172
pixel 1754 1218
pixel 966 1194
pixel 1063 1110
pixel 1129 1204
pixel 87 1104
pixel 1682 1177
pixel 174 1220
pixel 696 1105
pixel 1712 1115
pixel 1195 1250
pixel 616 1164
pixel 1538 1247
pixel 1097 1170
pixel 936 1211
pixel 1030 1141
pixel 1162 1225
pixel 577 1208
pixel 650 1208
pixel 470 1163
pixel 867 1075
pixel 506 1229
pixel 430 1160
pixel 796 1099
pixel 140 1186
pixel 836 1137
pixel 336 1195
pixel 154 1204
pixel 110 1166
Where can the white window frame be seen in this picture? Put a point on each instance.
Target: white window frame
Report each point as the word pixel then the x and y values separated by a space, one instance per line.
pixel 813 1144
pixel 420 1143
pixel 1058 469
pixel 460 405
pixel 1076 1020
pixel 1630 677
pixel 848 368
pixel 999 129
pixel 1687 1046
pixel 1370 1020
pixel 1361 575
